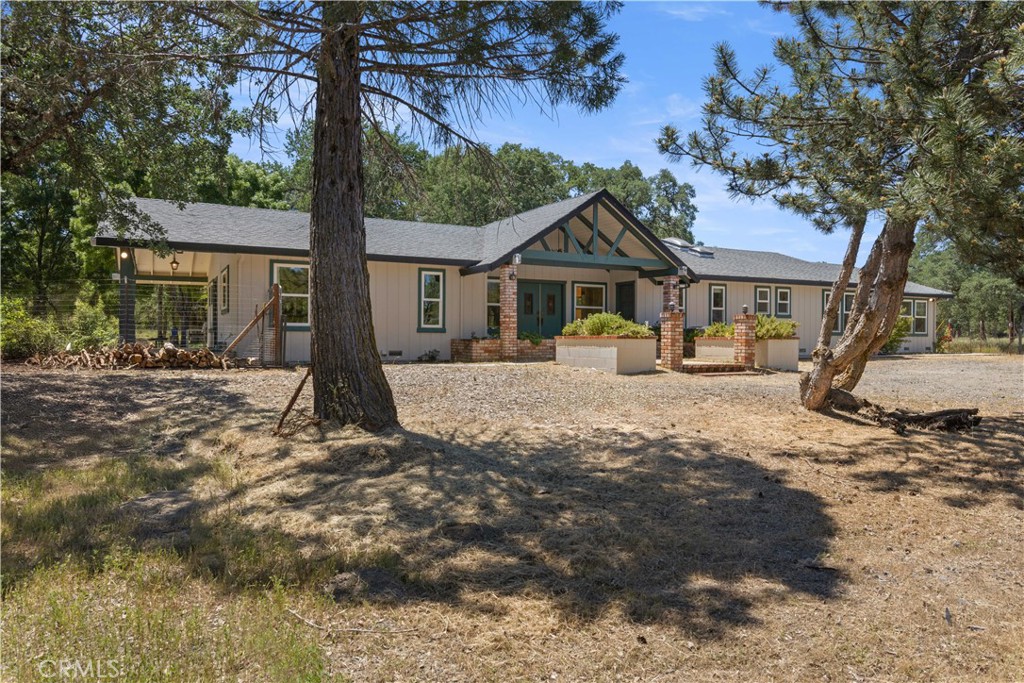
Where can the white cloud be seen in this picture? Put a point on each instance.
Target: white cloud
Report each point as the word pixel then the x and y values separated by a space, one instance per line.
pixel 693 11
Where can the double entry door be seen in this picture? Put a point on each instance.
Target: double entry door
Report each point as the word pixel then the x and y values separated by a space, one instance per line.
pixel 541 307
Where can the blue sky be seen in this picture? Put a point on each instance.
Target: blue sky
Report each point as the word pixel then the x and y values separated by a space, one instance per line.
pixel 668 49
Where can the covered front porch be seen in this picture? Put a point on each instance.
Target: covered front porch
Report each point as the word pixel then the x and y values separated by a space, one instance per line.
pixel 596 258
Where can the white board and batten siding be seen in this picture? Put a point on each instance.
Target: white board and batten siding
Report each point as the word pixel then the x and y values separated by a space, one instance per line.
pixel 806 302
pixel 394 298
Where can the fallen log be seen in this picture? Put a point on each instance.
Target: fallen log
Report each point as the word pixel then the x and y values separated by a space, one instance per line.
pixel 948 420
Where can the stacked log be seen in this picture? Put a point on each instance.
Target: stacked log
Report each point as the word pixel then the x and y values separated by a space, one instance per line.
pixel 144 356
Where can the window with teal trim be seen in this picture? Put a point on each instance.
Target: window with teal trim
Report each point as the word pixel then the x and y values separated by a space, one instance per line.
pixel 294 281
pixel 717 303
pixel 432 300
pixel 844 310
pixel 493 306
pixel 917 311
pixel 225 291
pixel 763 300
pixel 783 302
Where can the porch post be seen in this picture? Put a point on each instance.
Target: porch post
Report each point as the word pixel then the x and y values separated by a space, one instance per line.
pixel 509 331
pixel 672 320
pixel 126 312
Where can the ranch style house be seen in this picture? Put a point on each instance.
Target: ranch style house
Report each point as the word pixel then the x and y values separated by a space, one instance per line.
pixel 461 292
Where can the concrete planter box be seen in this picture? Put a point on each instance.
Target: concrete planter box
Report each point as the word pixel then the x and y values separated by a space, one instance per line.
pixel 714 348
pixel 777 354
pixel 620 355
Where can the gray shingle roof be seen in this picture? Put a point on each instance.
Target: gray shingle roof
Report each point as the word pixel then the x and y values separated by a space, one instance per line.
pixel 770 267
pixel 504 237
pixel 215 227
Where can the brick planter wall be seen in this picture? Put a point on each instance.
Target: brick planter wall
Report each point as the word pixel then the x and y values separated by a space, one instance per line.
pixel 490 350
pixel 476 350
pixel 537 353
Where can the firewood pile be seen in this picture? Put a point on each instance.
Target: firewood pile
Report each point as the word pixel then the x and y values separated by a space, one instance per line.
pixel 138 356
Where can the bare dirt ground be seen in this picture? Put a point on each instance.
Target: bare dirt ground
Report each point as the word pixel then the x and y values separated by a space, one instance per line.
pixel 541 522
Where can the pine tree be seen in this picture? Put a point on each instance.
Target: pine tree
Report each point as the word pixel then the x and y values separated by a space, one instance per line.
pixel 883 105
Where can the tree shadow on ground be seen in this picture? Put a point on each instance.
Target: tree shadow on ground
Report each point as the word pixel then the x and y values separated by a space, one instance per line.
pixel 653 524
pixel 979 466
pixel 663 528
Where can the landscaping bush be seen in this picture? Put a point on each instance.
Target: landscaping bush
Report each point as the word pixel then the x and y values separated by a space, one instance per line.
pixel 770 327
pixel 607 324
pixel 23 335
pixel 719 330
pixel 900 331
pixel 531 337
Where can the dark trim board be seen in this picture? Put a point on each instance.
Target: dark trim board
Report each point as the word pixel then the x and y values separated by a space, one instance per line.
pixel 270 251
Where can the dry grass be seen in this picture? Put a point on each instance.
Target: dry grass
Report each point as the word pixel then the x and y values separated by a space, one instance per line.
pixel 539 523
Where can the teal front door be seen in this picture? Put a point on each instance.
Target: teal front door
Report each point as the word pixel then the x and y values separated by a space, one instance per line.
pixel 541 307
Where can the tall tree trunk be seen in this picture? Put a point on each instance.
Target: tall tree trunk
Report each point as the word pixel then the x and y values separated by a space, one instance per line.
pixel 876 308
pixel 982 334
pixel 814 382
pixel 349 385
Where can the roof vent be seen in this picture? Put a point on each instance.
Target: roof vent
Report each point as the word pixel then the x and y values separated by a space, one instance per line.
pixel 703 252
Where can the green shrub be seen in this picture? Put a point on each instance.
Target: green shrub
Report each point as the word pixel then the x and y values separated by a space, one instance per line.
pixel 720 330
pixel 531 337
pixel 770 327
pixel 23 335
pixel 607 324
pixel 690 334
pixel 900 331
pixel 90 327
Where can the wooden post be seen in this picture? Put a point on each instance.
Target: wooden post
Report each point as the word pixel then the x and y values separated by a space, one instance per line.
pixel 248 328
pixel 275 296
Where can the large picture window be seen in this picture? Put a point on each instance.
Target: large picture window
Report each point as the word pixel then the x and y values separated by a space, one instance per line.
pixel 493 306
pixel 917 311
pixel 763 300
pixel 717 307
pixel 588 299
pixel 294 281
pixel 431 310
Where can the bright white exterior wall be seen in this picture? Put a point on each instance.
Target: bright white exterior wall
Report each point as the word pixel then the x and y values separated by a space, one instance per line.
pixel 806 304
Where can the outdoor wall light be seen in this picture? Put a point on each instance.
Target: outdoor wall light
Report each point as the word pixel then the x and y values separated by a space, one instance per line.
pixel 745 309
pixel 124 253
pixel 174 262
pixel 517 259
pixel 511 276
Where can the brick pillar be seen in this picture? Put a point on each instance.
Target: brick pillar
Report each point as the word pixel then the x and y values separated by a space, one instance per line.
pixel 743 342
pixel 670 293
pixel 509 332
pixel 672 340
